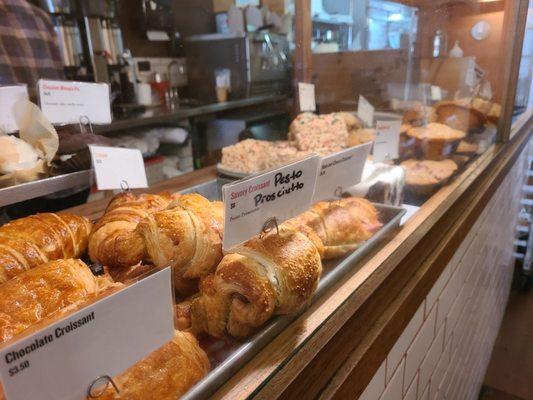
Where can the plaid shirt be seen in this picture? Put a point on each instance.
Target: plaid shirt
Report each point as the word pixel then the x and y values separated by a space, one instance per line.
pixel 28 47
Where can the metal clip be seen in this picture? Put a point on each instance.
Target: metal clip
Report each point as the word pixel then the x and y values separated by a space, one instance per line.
pixel 270 224
pixel 338 192
pixel 108 379
pixel 124 185
pixel 85 121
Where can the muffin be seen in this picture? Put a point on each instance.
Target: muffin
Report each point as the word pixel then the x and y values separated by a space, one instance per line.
pixel 419 116
pixel 357 137
pixel 423 177
pixel 460 117
pixel 436 141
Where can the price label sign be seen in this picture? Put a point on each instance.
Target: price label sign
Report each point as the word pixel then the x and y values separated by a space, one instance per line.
pixel 118 168
pixel 306 96
pixel 387 144
pixel 9 96
pixel 64 102
pixel 340 171
pixel 365 111
pixel 436 93
pixel 61 361
pixel 282 193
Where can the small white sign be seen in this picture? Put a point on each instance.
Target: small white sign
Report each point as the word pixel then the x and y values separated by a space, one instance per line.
pixel 436 93
pixel 306 95
pixel 61 361
pixel 118 168
pixel 387 143
pixel 281 193
pixel 471 76
pixel 64 102
pixel 365 111
pixel 340 171
pixel 9 95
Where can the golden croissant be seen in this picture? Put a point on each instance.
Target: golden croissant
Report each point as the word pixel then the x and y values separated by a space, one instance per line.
pixel 115 241
pixel 44 292
pixel 274 274
pixel 166 374
pixel 341 225
pixel 187 236
pixel 28 242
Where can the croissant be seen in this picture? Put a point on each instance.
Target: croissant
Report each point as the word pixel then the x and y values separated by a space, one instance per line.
pixel 43 292
pixel 28 242
pixel 114 240
pixel 275 274
pixel 187 236
pixel 165 374
pixel 341 225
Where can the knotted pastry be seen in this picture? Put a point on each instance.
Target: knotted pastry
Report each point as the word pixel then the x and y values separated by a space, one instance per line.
pixel 43 292
pixel 275 274
pixel 114 241
pixel 187 236
pixel 28 242
pixel 166 374
pixel 341 225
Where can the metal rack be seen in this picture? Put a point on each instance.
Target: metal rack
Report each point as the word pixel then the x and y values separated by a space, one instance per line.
pixel 43 187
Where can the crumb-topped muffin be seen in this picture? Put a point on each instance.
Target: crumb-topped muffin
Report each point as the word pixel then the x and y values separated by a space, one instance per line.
pixel 436 141
pixel 424 176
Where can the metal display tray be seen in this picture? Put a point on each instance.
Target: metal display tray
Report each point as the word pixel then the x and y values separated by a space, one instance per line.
pixel 227 358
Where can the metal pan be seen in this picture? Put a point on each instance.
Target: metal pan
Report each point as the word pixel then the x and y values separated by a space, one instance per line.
pixel 239 353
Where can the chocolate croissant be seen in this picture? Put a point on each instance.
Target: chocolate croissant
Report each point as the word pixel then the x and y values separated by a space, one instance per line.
pixel 187 236
pixel 28 242
pixel 341 225
pixel 43 292
pixel 275 274
pixel 114 241
pixel 167 373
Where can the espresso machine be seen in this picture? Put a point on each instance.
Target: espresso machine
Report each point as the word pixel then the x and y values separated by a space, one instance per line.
pixel 64 15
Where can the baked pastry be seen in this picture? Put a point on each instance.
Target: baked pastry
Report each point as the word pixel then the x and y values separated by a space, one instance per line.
pixel 16 154
pixel 424 176
pixel 460 117
pixel 360 136
pixel 273 274
pixel 352 121
pixel 187 236
pixel 166 374
pixel 114 240
pixel 435 140
pixel 380 183
pixel 420 115
pixel 44 292
pixel 28 242
pixel 321 134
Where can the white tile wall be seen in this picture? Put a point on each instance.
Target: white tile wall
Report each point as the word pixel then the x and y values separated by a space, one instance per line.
pixel 445 348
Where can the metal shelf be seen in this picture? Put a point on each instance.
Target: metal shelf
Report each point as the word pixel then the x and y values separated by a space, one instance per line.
pixel 43 187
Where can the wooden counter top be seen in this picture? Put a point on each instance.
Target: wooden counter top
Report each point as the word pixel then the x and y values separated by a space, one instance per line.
pixel 349 330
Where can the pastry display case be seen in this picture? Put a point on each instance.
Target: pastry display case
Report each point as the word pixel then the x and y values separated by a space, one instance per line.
pixel 372 293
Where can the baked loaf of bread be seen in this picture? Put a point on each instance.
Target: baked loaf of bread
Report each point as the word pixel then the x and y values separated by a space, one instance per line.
pixel 274 274
pixel 342 225
pixel 187 236
pixel 28 242
pixel 44 292
pixel 115 241
pixel 166 374
pixel 425 176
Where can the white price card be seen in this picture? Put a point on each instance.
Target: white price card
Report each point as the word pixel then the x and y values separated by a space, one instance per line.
pixel 387 143
pixel 60 361
pixel 281 193
pixel 306 96
pixel 340 171
pixel 9 96
pixel 65 102
pixel 118 168
pixel 365 111
pixel 436 93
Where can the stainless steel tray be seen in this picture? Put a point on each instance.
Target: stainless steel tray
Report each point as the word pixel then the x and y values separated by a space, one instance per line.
pixel 228 355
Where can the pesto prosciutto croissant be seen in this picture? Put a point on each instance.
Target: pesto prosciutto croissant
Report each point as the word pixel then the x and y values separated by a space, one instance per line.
pixel 28 242
pixel 275 274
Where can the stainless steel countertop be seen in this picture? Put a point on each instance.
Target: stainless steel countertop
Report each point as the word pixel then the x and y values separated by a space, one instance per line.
pixel 163 116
